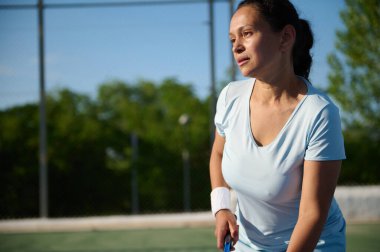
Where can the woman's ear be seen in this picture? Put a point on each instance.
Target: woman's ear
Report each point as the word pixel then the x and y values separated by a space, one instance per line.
pixel 288 38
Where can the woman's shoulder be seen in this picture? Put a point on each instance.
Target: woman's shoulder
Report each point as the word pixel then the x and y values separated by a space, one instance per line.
pixel 236 89
pixel 319 99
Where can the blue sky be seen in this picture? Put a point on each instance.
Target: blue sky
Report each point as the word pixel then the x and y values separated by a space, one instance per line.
pixel 87 47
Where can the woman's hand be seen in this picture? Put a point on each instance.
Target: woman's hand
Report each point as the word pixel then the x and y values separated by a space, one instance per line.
pixel 225 221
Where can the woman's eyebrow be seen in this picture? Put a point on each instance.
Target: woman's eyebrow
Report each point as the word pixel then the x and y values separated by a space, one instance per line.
pixel 242 28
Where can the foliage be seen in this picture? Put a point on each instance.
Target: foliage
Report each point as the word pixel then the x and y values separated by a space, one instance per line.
pixel 355 71
pixel 354 82
pixel 90 152
pixel 361 166
pixel 19 161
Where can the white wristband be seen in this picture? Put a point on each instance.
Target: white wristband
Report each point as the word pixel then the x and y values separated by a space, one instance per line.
pixel 220 199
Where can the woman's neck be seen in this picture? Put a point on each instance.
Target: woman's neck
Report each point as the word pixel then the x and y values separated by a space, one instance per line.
pixel 278 89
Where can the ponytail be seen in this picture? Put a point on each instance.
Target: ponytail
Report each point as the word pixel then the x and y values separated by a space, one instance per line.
pixel 302 59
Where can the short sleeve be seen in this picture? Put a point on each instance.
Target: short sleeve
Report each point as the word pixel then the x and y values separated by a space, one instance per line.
pixel 325 140
pixel 220 114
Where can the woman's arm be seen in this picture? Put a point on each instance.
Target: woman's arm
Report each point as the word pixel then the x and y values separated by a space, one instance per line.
pixel 318 186
pixel 224 219
pixel 216 175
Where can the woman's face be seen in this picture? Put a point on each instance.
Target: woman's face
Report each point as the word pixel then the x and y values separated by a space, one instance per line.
pixel 255 46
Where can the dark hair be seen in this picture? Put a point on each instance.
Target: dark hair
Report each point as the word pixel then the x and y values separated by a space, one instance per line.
pixel 279 13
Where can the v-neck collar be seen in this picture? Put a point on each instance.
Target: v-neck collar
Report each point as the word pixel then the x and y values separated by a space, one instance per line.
pixel 280 133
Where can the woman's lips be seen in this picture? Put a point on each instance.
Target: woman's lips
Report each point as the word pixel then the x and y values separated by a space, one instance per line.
pixel 242 61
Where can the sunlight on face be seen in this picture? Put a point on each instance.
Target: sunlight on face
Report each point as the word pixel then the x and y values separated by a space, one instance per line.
pixel 254 45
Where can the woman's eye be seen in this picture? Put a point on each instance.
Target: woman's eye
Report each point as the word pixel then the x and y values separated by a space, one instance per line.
pixel 246 34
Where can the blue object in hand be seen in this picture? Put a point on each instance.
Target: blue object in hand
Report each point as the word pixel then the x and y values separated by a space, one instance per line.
pixel 227 243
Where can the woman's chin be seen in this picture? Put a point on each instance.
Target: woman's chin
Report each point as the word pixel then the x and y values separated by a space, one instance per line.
pixel 246 71
pixel 247 74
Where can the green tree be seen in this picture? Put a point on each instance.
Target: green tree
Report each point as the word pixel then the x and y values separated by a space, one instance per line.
pixel 152 111
pixel 90 153
pixel 354 81
pixel 19 161
pixel 79 182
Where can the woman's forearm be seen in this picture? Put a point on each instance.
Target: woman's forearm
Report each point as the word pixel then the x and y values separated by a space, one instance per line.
pixel 306 234
pixel 318 186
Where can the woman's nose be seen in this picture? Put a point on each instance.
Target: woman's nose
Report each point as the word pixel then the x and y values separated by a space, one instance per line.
pixel 237 47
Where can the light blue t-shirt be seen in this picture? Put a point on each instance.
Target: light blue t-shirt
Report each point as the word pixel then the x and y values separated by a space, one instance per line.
pixel 267 180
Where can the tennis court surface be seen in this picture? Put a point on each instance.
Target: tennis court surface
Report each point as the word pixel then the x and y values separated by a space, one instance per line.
pixel 360 238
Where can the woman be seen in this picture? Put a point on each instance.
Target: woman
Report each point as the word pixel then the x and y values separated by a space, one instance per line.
pixel 278 140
